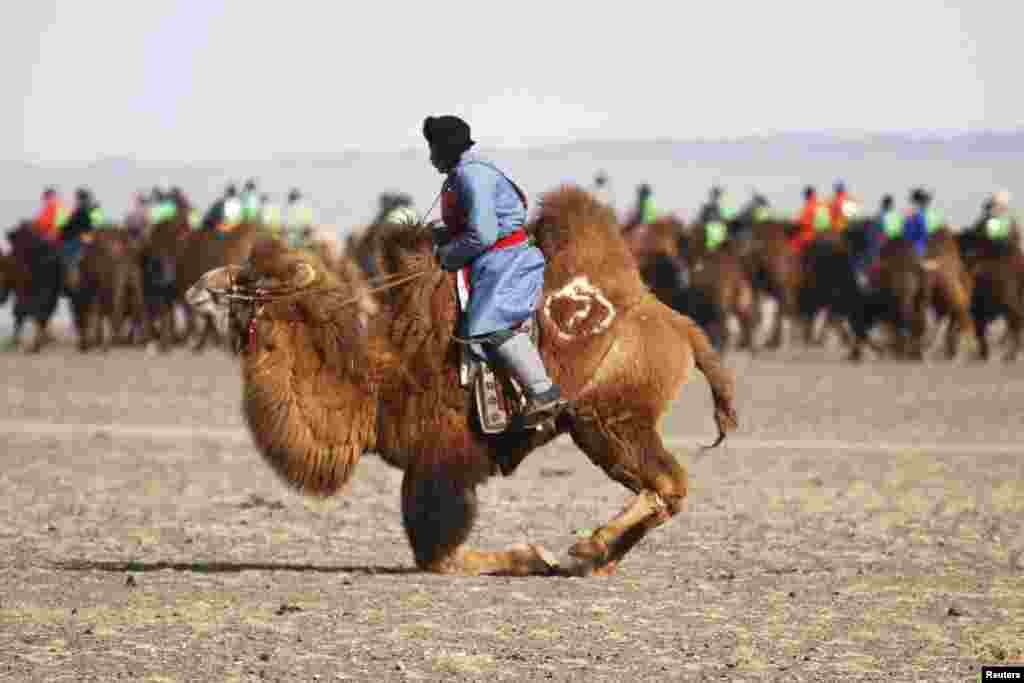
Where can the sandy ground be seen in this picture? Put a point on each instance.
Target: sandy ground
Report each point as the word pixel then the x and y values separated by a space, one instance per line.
pixel 866 524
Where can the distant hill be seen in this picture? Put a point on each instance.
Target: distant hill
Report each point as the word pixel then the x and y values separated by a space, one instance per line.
pixel 961 169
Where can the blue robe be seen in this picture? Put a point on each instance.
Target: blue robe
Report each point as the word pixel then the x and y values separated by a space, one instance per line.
pixel 506 283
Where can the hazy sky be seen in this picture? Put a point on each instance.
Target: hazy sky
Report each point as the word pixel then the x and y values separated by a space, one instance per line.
pixel 207 80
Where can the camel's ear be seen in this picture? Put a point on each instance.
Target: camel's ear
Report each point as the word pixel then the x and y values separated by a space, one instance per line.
pixel 304 276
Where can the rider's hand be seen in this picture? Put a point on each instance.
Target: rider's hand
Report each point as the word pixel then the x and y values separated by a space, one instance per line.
pixel 439 233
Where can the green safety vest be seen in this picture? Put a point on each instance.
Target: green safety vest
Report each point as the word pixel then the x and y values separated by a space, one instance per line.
pixel 822 219
pixel 761 215
pixel 164 211
pixel 194 219
pixel 728 212
pixel 933 219
pixel 97 217
pixel 62 217
pixel 251 208
pixel 271 214
pixel 299 216
pixel 997 228
pixel 715 233
pixel 648 214
pixel 892 221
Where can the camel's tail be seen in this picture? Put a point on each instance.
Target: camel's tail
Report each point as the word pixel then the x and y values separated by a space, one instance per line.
pixel 723 385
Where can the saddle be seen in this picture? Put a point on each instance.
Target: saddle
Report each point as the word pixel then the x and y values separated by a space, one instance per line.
pixel 497 395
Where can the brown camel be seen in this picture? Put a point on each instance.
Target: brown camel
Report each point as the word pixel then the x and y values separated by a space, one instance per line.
pixel 997 269
pixel 951 288
pixel 174 248
pixel 667 253
pixel 326 380
pixel 774 270
pixel 721 276
pixel 161 252
pixel 108 290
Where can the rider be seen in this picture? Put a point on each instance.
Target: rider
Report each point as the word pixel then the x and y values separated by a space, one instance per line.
pixel 400 210
pixel 918 226
pixel 137 219
pixel 753 212
pixel 814 218
pixel 645 211
pixel 602 190
pixel 712 209
pixel 298 219
pixel 225 212
pixel 484 212
pixel 713 217
pixel 888 224
pixel 270 215
pixel 51 217
pixel 86 217
pixel 251 208
pixel 997 222
pixel 842 208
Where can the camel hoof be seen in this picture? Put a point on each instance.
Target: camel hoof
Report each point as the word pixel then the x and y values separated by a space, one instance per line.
pixel 606 570
pixel 585 567
pixel 589 549
pixel 533 560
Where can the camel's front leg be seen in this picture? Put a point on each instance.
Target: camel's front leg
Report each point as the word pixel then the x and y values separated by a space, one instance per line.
pixel 600 553
pixel 632 453
pixel 438 515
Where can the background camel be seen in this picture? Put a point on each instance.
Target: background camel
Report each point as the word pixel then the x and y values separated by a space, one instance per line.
pixel 327 379
pixel 35 276
pixel 175 257
pixel 108 291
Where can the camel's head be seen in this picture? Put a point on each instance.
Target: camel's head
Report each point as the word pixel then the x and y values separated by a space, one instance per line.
pixel 276 280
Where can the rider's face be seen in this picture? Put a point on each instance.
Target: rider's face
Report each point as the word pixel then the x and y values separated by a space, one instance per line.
pixel 436 159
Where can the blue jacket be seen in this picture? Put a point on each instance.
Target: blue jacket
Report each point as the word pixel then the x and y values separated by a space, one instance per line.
pixel 915 229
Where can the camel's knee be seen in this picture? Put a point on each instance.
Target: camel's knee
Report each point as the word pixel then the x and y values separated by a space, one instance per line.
pixel 671 487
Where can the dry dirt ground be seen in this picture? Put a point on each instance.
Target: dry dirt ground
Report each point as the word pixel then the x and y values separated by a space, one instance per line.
pixel 866 524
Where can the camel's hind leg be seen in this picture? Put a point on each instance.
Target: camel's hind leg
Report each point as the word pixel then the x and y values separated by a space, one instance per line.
pixel 438 514
pixel 630 452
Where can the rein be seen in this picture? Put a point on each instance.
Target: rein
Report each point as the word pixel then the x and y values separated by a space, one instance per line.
pixel 258 298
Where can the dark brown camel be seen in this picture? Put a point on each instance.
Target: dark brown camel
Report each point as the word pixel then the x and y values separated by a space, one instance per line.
pixel 33 274
pixel 326 380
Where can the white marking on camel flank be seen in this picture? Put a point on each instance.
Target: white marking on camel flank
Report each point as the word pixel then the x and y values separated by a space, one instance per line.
pixel 241 436
pixel 582 291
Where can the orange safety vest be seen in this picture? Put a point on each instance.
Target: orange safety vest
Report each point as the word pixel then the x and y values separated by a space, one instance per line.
pixel 805 234
pixel 48 221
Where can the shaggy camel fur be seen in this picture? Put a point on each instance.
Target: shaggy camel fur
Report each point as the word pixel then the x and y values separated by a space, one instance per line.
pixel 327 377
